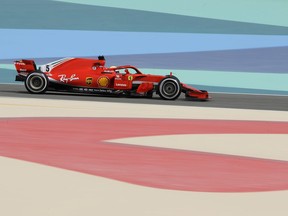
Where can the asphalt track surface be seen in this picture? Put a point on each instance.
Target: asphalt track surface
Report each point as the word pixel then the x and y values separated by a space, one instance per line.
pixel 218 100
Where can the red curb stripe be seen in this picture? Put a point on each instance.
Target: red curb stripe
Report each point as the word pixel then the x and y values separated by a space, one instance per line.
pixel 79 144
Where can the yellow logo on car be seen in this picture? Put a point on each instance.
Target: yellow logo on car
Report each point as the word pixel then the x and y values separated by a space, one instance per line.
pixel 130 78
pixel 103 81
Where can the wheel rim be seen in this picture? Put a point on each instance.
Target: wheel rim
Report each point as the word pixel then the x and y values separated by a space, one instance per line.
pixel 170 88
pixel 36 82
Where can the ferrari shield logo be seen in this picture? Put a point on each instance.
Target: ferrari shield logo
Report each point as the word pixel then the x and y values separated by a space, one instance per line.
pixel 89 80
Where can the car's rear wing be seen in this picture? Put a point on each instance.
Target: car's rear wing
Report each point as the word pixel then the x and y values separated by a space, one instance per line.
pixel 23 65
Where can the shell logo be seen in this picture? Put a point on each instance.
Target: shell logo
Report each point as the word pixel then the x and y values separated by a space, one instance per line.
pixel 103 81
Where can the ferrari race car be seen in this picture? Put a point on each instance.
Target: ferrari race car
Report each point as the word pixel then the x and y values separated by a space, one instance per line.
pixel 91 76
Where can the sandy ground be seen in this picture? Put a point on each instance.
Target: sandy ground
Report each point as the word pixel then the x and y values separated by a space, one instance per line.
pixel 33 189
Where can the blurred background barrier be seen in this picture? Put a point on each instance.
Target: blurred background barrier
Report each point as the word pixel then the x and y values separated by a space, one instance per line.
pixel 219 45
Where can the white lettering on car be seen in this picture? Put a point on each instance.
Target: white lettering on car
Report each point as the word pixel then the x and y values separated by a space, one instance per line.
pixel 63 78
pixel 121 84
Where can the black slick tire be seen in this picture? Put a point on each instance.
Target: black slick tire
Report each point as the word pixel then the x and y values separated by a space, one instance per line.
pixel 169 88
pixel 36 83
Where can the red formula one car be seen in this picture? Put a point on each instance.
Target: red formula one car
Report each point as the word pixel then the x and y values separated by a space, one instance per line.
pixel 91 76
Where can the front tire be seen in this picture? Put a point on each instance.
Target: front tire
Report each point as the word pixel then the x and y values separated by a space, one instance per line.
pixel 36 83
pixel 169 88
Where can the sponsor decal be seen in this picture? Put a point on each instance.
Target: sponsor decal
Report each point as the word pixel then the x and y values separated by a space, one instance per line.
pixel 20 63
pixel 89 80
pixel 103 81
pixel 117 77
pixel 121 84
pixel 64 78
pixel 93 90
pixel 130 78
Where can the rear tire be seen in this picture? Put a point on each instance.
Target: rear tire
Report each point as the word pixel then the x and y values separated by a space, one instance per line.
pixel 36 83
pixel 169 88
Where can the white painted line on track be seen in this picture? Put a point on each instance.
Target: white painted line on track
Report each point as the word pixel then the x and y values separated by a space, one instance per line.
pixel 265 146
pixel 28 107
